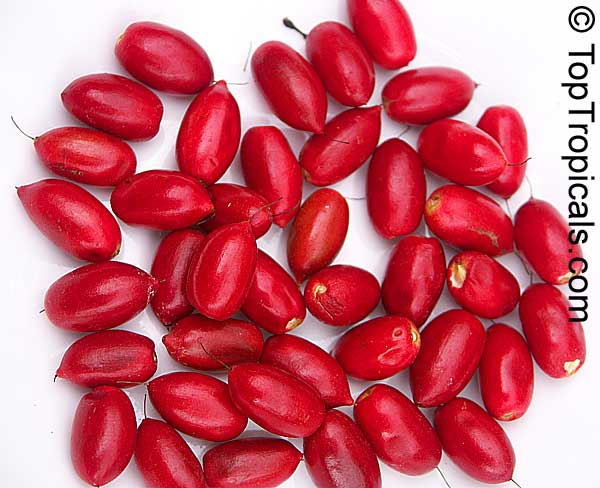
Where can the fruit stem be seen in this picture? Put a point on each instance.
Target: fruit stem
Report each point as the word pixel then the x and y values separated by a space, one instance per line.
pixel 21 130
pixel 406 129
pixel 212 356
pixel 530 186
pixel 443 477
pixel 145 401
pixel 290 25
pixel 248 57
pixel 520 164
pixel 335 140
pixel 516 483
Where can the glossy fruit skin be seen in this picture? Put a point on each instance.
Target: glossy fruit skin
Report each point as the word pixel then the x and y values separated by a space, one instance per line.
pixel 451 346
pixel 170 268
pixel 290 86
pixel 475 442
pixel 254 462
pixel 271 169
pixel 326 161
pixel 164 458
pixel 385 29
pixel 72 218
pixel 235 203
pixel 400 434
pixel 481 285
pixel 423 95
pixel 109 358
pixel 461 153
pixel 414 278
pixel 311 364
pixel 209 134
pixel 507 127
pixel 557 345
pixel 85 155
pixel 98 296
pixel 164 58
pixel 396 189
pixel 318 233
pixel 274 301
pixel 162 200
pixel 341 294
pixel 221 272
pixel 114 104
pixel 339 456
pixel 506 373
pixel 231 341
pixel 103 435
pixel 469 220
pixel 275 400
pixel 378 348
pixel 197 405
pixel 342 63
pixel 542 236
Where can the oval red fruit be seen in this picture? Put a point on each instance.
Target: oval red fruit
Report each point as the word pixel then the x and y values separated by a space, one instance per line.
pixel 341 294
pixel 271 169
pixel 103 435
pixel 254 462
pixel 311 364
pixel 338 455
pixel 86 155
pixel 451 346
pixel 469 220
pixel 196 341
pixel 507 127
pixel 396 189
pixel 506 373
pixel 164 458
pixel 481 285
pixel 346 143
pixel 461 153
pixel 423 95
pixel 109 358
pixel 414 278
pixel 164 58
pixel 209 134
pixel 557 344
pixel 170 268
pixel 385 28
pixel 197 405
pixel 318 233
pixel 378 348
pixel 475 441
pixel 98 296
pixel 544 239
pixel 274 301
pixel 290 86
pixel 401 435
pixel 72 218
pixel 220 273
pixel 114 104
pixel 275 400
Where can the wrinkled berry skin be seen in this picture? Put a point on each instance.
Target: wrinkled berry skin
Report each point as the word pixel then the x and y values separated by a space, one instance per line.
pixel 385 29
pixel 401 435
pixel 164 58
pixel 72 218
pixel 475 441
pixel 545 241
pixel 469 220
pixel 506 373
pixel 114 104
pixel 338 455
pixel 290 86
pixel 423 95
pixel 414 278
pixel 451 346
pixel 318 233
pixel 557 345
pixel 253 462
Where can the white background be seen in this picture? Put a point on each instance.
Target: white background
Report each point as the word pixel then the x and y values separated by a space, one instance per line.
pixel 517 51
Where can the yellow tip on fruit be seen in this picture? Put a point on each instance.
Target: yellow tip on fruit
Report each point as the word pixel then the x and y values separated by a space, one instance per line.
pixel 292 324
pixel 458 274
pixel 571 367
